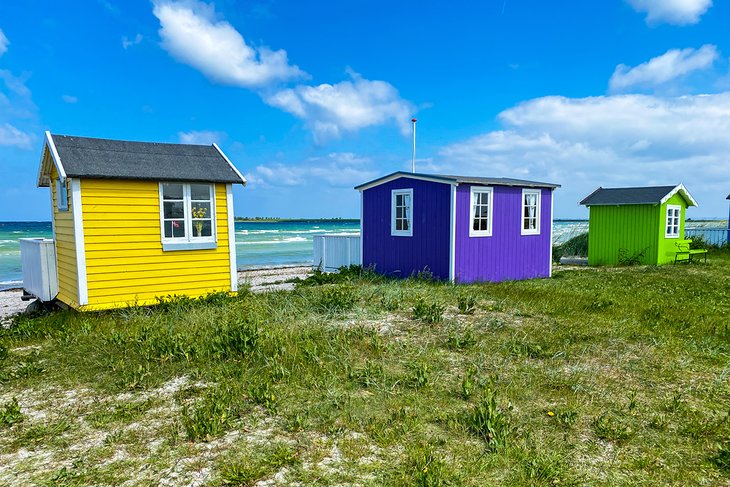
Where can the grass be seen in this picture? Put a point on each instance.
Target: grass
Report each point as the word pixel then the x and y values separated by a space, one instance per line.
pixel 615 376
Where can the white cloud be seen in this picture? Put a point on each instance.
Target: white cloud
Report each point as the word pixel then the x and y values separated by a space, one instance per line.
pixel 69 99
pixel 127 42
pixel 607 141
pixel 678 12
pixel 11 136
pixel 191 33
pixel 671 65
pixel 348 106
pixel 3 43
pixel 201 137
pixel 338 169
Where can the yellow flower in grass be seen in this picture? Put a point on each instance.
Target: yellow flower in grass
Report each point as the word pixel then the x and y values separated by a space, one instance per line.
pixel 550 413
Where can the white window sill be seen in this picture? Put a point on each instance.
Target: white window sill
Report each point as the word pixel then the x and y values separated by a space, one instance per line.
pixel 172 246
pixel 480 234
pixel 401 234
pixel 671 236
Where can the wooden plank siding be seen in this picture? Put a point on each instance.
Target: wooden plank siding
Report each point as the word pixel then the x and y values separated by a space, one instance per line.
pixel 124 258
pixel 63 229
pixel 631 229
pixel 506 254
pixel 668 246
pixel 427 249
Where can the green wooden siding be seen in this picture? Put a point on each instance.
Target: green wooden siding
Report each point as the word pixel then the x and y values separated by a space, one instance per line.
pixel 633 229
pixel 629 228
pixel 668 246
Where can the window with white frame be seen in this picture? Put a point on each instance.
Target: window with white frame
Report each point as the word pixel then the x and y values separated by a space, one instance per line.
pixel 481 212
pixel 61 195
pixel 673 215
pixel 188 212
pixel 530 212
pixel 402 213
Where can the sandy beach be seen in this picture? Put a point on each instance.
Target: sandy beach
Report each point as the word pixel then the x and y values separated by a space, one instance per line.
pixel 260 280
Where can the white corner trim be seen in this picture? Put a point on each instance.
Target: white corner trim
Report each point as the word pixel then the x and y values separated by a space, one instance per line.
pixel 231 237
pixel 550 249
pixel 452 239
pixel 538 213
pixel 679 189
pixel 78 218
pixel 362 227
pixel 54 155
pixel 230 163
pixel 393 231
pixel 481 189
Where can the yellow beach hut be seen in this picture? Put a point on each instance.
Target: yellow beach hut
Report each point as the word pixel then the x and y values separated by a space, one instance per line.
pixel 134 221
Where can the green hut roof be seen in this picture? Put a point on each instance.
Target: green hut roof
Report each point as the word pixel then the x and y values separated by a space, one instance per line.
pixel 647 195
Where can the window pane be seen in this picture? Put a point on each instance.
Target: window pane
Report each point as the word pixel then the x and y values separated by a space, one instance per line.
pixel 172 191
pixel 200 192
pixel 399 200
pixel 407 200
pixel 202 228
pixel 483 224
pixel 200 210
pixel 399 212
pixel 173 209
pixel 174 229
pixel 475 225
pixel 405 225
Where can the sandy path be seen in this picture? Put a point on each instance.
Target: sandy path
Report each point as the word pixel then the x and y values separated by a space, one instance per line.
pixel 260 280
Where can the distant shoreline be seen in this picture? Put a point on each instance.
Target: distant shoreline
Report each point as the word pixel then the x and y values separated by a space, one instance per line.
pixel 294 220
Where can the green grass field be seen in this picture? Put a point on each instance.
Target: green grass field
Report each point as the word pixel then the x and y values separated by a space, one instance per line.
pixel 617 376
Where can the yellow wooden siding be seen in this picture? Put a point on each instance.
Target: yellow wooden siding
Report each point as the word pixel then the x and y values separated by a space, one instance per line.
pixel 125 263
pixel 63 224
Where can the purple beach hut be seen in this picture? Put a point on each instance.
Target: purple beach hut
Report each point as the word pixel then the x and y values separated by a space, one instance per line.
pixel 459 228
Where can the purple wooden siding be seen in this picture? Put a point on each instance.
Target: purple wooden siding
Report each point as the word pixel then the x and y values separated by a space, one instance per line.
pixel 506 255
pixel 429 245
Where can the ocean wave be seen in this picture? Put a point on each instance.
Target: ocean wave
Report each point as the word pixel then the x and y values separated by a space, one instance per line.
pixel 274 242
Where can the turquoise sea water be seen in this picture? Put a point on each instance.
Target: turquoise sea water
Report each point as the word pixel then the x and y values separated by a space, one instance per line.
pixel 258 244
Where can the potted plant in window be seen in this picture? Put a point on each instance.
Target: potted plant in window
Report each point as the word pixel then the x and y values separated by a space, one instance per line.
pixel 199 213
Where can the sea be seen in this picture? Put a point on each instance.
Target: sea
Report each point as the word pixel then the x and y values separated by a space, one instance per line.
pixel 259 244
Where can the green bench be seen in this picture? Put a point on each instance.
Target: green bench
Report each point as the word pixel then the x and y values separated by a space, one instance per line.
pixel 685 251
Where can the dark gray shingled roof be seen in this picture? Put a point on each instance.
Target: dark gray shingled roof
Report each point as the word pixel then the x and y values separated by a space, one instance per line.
pixel 84 157
pixel 449 179
pixel 627 196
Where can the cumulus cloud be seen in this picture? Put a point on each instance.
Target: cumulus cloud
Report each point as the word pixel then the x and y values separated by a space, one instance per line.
pixel 14 137
pixel 671 65
pixel 127 42
pixel 678 12
pixel 201 137
pixel 347 106
pixel 69 99
pixel 193 35
pixel 3 43
pixel 614 140
pixel 338 169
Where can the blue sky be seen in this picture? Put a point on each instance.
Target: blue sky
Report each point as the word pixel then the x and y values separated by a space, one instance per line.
pixel 309 99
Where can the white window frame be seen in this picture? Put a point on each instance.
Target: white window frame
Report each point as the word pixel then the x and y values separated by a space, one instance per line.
pixel 188 242
pixel 536 230
pixel 393 231
pixel 61 195
pixel 667 226
pixel 472 213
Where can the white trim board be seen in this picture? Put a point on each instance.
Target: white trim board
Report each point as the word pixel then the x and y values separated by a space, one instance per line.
pixel 231 238
pixel 452 237
pixel 679 189
pixel 78 219
pixel 395 176
pixel 230 163
pixel 51 146
pixel 550 249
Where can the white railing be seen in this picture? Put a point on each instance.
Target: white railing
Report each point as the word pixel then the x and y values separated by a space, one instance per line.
pixel 336 250
pixel 714 236
pixel 40 275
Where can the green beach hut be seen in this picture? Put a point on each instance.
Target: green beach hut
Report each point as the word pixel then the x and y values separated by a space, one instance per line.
pixel 644 225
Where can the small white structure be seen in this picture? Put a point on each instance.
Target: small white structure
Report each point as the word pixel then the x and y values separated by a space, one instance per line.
pixel 335 250
pixel 40 275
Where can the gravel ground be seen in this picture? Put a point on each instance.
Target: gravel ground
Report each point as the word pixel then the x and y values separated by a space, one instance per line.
pixel 260 280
